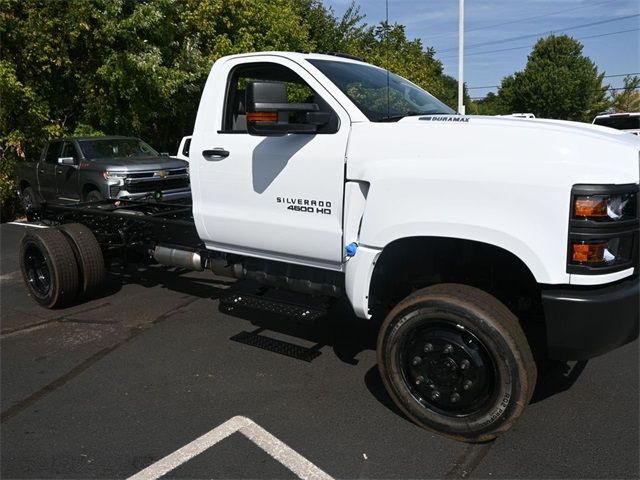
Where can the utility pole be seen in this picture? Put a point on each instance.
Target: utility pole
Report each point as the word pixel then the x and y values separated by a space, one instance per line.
pixel 461 59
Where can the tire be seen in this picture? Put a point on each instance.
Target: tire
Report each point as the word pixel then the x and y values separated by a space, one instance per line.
pixel 456 361
pixel 94 196
pixel 88 256
pixel 49 267
pixel 30 200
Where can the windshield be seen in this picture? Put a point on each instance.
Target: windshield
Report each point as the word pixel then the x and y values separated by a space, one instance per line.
pixel 366 86
pixel 116 148
pixel 621 123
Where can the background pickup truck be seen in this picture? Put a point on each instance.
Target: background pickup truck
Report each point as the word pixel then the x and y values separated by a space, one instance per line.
pixel 95 168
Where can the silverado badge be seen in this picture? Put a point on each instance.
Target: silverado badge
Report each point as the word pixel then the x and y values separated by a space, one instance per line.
pixel 161 174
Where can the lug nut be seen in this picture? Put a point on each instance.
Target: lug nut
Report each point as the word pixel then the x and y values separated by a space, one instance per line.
pixel 450 364
pixel 467 385
pixel 464 364
pixel 435 395
pixel 419 380
pixel 428 347
pixel 448 348
pixel 416 361
pixel 455 397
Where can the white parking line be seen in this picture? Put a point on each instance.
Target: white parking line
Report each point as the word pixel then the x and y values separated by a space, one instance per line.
pixel 281 452
pixel 24 224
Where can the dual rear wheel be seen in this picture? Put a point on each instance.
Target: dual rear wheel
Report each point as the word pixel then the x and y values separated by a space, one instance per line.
pixel 61 264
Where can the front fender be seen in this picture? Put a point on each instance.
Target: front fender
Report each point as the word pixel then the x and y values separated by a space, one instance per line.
pixel 512 217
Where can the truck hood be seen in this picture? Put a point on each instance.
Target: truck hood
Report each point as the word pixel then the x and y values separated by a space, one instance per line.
pixel 128 164
pixel 493 149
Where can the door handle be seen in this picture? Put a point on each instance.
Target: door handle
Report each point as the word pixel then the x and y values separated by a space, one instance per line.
pixel 41 171
pixel 215 154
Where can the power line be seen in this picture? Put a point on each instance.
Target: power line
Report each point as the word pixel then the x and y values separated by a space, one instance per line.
pixel 610 89
pixel 575 27
pixel 622 75
pixel 606 76
pixel 528 18
pixel 530 46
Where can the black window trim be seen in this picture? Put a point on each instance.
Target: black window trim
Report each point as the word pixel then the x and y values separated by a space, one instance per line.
pixel 226 111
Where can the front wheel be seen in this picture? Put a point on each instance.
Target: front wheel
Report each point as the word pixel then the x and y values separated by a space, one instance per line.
pixel 456 361
pixel 94 196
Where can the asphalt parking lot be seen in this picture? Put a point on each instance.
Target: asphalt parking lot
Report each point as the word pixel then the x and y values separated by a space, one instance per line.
pixel 110 387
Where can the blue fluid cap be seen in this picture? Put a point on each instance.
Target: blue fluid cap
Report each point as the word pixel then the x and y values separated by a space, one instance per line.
pixel 350 250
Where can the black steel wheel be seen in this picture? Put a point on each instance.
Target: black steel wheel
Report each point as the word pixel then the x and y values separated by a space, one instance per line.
pixel 456 361
pixel 29 200
pixel 88 255
pixel 49 267
pixel 94 196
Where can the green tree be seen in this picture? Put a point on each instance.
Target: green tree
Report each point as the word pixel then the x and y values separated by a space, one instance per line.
pixel 491 105
pixel 557 82
pixel 449 95
pixel 628 100
pixel 138 68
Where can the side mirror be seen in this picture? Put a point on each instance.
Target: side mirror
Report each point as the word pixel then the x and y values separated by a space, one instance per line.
pixel 164 154
pixel 268 111
pixel 67 161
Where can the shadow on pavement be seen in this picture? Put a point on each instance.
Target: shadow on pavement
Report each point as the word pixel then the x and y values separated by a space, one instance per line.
pixel 171 278
pixel 555 377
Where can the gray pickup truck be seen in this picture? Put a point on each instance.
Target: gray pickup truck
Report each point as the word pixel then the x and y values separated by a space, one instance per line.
pixel 94 168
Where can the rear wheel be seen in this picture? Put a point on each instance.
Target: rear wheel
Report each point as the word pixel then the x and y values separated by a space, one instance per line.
pixel 456 361
pixel 49 267
pixel 88 255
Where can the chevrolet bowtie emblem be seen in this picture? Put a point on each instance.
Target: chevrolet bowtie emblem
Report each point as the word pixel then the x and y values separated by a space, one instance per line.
pixel 161 174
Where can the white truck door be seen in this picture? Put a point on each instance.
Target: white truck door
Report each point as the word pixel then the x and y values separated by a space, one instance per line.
pixel 271 197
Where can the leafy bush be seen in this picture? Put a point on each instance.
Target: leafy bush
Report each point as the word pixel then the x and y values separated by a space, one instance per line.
pixel 8 198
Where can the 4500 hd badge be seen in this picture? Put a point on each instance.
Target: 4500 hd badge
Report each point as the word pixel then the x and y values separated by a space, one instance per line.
pixel 306 205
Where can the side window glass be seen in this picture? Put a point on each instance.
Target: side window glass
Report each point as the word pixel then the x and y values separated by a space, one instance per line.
pixel 69 151
pixel 53 152
pixel 298 91
pixel 187 144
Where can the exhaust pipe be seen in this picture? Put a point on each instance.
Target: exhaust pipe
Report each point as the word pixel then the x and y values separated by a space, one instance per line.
pixel 177 258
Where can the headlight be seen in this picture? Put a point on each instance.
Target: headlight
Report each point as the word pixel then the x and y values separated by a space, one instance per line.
pixel 606 208
pixel 110 175
pixel 611 252
pixel 603 229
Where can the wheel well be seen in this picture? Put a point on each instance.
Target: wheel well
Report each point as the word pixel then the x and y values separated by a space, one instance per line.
pixel 24 184
pixel 88 188
pixel 412 263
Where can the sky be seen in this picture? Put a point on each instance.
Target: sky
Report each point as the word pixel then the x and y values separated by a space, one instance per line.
pixel 499 34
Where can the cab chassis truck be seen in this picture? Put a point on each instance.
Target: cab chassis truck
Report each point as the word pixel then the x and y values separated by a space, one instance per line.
pixel 330 177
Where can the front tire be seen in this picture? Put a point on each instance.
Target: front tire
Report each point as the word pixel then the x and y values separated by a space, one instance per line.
pixel 456 361
pixel 94 196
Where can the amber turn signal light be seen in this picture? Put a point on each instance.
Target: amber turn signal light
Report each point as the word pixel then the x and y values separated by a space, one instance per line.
pixel 591 206
pixel 262 116
pixel 588 252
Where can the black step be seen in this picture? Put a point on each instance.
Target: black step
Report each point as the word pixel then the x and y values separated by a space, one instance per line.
pixel 277 346
pixel 279 307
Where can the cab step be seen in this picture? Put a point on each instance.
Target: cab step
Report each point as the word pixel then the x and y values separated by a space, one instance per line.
pixel 303 313
pixel 254 339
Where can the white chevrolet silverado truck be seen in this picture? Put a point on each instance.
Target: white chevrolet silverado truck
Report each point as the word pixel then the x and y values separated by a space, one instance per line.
pixel 461 236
